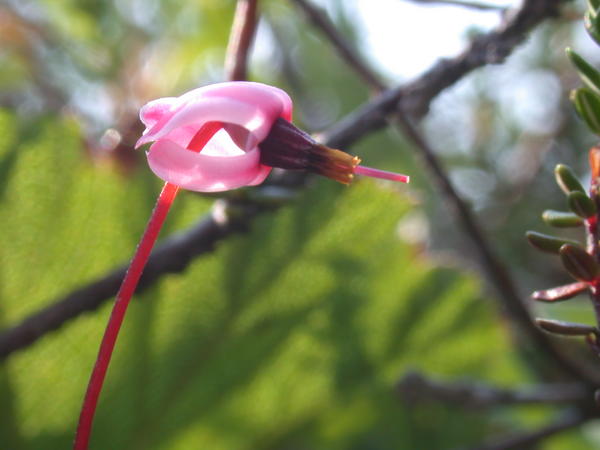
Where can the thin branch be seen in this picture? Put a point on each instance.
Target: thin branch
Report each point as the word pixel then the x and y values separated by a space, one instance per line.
pixel 320 20
pixel 176 253
pixel 481 6
pixel 240 40
pixel 415 97
pixel 530 438
pixel 415 387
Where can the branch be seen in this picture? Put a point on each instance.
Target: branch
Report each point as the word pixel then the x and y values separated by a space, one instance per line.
pixel 415 387
pixel 240 40
pixel 208 232
pixel 415 97
pixel 172 256
pixel 530 438
pixel 462 3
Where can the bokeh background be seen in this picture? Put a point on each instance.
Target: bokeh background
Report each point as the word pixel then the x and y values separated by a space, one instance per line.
pixel 294 334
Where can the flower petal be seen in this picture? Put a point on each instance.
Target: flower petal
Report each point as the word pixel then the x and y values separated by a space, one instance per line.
pixel 155 110
pixel 205 173
pixel 203 110
pixel 231 158
pixel 267 102
pixel 272 101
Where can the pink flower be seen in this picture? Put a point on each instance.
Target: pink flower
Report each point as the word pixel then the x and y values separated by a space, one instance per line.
pixel 246 112
pixel 229 135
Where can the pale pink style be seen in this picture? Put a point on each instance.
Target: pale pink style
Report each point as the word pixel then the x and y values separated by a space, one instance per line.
pixel 231 159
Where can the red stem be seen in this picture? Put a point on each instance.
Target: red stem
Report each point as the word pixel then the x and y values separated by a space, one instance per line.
pixel 591 229
pixel 134 272
pixel 159 214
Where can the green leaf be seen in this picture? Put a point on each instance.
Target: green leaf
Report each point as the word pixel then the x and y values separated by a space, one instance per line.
pixel 589 75
pixel 561 219
pixel 567 180
pixel 587 105
pixel 590 22
pixel 580 264
pixel 581 204
pixel 547 243
pixel 565 328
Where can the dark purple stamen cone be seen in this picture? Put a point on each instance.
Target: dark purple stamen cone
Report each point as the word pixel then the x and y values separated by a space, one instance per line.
pixel 288 147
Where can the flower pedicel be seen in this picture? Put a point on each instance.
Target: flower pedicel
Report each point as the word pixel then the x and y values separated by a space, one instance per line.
pixel 211 139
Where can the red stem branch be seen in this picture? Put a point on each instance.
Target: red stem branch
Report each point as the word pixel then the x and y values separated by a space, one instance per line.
pixel 593 248
pixel 240 40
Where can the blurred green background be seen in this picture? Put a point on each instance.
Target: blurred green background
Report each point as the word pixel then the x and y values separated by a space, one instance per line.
pixel 295 334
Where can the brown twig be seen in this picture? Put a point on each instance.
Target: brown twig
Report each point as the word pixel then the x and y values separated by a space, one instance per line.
pixel 416 96
pixel 320 20
pixel 240 40
pixel 415 387
pixel 528 439
pixel 464 4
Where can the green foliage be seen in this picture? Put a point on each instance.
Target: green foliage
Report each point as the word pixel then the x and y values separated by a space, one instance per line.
pixel 567 180
pixel 579 263
pixel 547 243
pixel 587 105
pixel 581 204
pixel 290 336
pixel 561 219
pixel 591 24
pixel 589 75
pixel 587 99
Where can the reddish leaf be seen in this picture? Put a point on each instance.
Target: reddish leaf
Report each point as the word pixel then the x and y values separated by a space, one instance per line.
pixel 565 328
pixel 560 293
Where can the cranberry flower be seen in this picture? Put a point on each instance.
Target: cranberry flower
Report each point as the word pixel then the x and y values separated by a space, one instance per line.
pixel 254 134
pixel 215 138
pixel 231 159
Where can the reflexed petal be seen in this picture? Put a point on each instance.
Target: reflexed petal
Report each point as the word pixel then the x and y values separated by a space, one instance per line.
pixel 155 110
pixel 231 158
pixel 204 173
pixel 268 103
